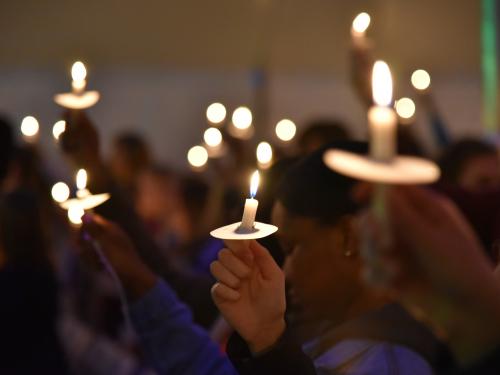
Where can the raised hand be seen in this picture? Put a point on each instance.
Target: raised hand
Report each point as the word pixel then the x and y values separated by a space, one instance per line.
pixel 115 245
pixel 436 266
pixel 250 293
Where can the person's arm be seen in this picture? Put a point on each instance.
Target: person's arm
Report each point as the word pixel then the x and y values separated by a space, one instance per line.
pixel 80 142
pixel 284 357
pixel 172 342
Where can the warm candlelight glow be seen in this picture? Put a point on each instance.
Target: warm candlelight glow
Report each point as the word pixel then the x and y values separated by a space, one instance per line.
pixel 197 156
pixel 58 128
pixel 285 130
pixel 78 71
pixel 212 137
pixel 405 108
pixel 216 113
pixel 381 84
pixel 75 213
pixel 420 79
pixel 264 154
pixel 254 183
pixel 242 118
pixel 29 126
pixel 81 179
pixel 60 192
pixel 360 24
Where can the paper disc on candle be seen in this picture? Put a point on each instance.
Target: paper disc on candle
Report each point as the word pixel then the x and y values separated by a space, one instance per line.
pixel 72 101
pixel 230 232
pixel 88 202
pixel 402 170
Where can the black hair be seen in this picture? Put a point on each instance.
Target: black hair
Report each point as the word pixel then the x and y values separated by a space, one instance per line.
pixel 324 130
pixel 311 189
pixel 7 145
pixel 455 157
pixel 21 230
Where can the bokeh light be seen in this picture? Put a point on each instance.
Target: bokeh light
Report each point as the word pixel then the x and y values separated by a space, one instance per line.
pixel 420 79
pixel 405 108
pixel 285 130
pixel 242 118
pixel 197 156
pixel 216 113
pixel 212 137
pixel 29 126
pixel 60 192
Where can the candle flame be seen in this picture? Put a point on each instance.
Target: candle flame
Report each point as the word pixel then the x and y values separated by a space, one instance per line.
pixel 254 183
pixel 81 179
pixel 361 23
pixel 381 84
pixel 78 71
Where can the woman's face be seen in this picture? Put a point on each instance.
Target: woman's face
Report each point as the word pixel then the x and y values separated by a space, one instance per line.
pixel 321 266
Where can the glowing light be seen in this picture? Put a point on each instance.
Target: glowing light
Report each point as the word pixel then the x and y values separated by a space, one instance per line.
pixel 420 79
pixel 405 108
pixel 58 128
pixel 361 23
pixel 254 183
pixel 75 213
pixel 381 84
pixel 60 192
pixel 81 179
pixel 29 126
pixel 264 153
pixel 242 118
pixel 78 71
pixel 197 156
pixel 285 130
pixel 212 137
pixel 216 113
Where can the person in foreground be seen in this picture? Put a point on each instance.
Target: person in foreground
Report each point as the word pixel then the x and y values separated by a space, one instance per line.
pixel 364 332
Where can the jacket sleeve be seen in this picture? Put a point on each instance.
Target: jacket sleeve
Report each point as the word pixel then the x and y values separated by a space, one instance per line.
pixel 286 357
pixel 173 344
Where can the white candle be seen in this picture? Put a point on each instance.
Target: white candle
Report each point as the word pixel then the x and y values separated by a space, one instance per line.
pixel 381 117
pixel 78 74
pixel 358 29
pixel 251 204
pixel 81 184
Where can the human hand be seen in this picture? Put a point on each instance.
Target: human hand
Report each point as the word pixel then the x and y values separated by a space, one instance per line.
pixel 250 293
pixel 80 140
pixel 436 267
pixel 135 276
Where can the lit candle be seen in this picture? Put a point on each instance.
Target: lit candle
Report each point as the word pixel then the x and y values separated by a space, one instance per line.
pixel 78 74
pixel 381 117
pixel 58 128
pixel 264 155
pixel 421 80
pixel 30 129
pixel 251 204
pixel 358 29
pixel 81 184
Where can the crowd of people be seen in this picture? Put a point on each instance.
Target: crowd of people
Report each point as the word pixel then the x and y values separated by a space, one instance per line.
pixel 141 287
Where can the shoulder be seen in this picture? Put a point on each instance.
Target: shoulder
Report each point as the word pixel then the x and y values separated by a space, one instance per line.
pixel 370 357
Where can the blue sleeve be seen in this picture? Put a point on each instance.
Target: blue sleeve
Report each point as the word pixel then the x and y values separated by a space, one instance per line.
pixel 172 343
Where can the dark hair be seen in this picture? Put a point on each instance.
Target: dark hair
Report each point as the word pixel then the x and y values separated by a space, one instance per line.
pixel 455 157
pixel 313 190
pixel 136 149
pixel 21 230
pixel 6 145
pixel 324 131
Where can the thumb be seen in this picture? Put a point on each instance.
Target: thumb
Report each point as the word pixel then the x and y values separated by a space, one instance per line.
pixel 264 261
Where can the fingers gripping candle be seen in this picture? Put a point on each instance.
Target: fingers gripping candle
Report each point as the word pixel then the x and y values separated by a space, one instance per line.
pixel 251 204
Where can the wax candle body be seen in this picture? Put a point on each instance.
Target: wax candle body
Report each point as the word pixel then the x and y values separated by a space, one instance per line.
pixel 382 121
pixel 78 86
pixel 249 213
